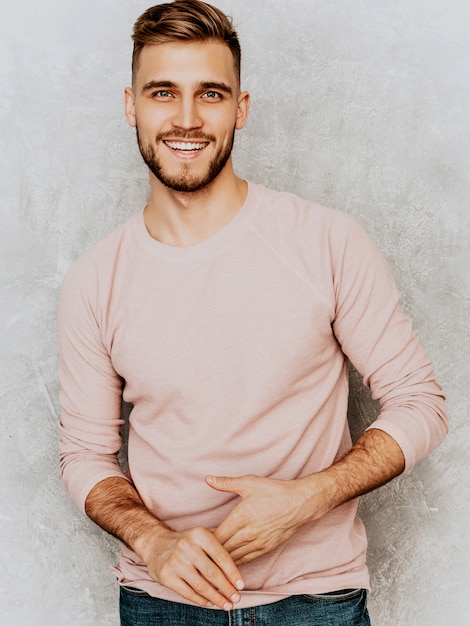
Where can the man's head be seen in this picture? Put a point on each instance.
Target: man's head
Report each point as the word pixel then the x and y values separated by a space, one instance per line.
pixel 185 101
pixel 184 20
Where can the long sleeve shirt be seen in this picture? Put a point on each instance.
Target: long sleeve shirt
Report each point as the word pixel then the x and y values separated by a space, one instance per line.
pixel 234 354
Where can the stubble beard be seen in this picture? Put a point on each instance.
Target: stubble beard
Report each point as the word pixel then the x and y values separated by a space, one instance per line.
pixel 184 181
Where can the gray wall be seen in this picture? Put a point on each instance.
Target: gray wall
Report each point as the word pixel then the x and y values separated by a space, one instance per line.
pixel 361 105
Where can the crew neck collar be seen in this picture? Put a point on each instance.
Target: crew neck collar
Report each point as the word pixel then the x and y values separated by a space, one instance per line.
pixel 207 248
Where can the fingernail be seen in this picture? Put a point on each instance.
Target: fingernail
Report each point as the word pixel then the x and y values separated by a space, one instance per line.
pixel 210 605
pixel 235 597
pixel 227 606
pixel 240 584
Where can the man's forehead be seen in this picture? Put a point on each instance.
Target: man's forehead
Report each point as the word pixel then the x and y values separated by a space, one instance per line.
pixel 178 61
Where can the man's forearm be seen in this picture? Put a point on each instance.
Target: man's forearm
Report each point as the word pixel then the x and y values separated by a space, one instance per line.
pixel 115 505
pixel 270 511
pixel 373 461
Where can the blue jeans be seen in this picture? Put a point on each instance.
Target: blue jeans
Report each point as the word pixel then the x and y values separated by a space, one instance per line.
pixel 340 608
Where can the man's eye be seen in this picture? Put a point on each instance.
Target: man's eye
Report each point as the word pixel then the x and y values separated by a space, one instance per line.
pixel 161 93
pixel 212 95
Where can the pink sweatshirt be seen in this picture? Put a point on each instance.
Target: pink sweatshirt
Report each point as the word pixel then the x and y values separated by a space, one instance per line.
pixel 234 354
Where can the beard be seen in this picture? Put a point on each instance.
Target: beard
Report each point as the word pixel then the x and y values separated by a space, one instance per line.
pixel 184 181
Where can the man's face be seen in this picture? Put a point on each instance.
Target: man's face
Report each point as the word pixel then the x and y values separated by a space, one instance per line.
pixel 186 106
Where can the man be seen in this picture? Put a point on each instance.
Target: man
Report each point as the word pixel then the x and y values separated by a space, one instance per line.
pixel 225 313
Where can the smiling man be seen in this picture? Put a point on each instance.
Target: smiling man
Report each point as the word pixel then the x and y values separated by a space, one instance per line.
pixel 226 314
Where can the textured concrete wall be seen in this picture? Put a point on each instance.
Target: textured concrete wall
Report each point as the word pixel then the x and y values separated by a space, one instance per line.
pixel 360 105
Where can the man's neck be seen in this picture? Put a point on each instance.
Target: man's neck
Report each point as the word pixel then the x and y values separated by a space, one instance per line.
pixel 185 219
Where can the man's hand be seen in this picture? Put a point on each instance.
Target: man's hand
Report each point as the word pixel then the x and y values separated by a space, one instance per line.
pixel 195 565
pixel 269 513
pixel 270 510
pixel 193 562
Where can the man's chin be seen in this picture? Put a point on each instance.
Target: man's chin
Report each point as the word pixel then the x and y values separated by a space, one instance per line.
pixel 184 184
pixel 188 177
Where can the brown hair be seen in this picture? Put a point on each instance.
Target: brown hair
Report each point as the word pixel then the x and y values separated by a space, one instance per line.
pixel 184 20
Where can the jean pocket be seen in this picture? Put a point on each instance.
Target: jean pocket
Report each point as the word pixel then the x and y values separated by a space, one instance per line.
pixel 336 596
pixel 132 591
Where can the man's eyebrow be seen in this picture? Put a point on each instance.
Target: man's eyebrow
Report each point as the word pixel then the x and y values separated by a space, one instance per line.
pixel 216 86
pixel 158 84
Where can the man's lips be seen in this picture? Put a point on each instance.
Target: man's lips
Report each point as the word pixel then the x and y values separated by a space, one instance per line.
pixel 186 146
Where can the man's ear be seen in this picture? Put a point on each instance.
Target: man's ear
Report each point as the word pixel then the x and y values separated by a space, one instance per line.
pixel 129 104
pixel 243 108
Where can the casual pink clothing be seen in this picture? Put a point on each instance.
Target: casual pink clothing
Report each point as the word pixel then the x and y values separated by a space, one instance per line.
pixel 233 355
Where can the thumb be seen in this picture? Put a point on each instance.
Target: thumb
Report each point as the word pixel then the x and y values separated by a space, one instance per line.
pixel 226 483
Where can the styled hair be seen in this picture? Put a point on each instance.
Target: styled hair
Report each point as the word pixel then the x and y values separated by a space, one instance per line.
pixel 184 20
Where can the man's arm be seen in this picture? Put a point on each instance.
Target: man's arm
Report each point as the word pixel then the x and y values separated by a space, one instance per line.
pixel 270 511
pixel 378 339
pixel 193 563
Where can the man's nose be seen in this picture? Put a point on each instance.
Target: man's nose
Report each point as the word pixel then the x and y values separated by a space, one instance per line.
pixel 187 114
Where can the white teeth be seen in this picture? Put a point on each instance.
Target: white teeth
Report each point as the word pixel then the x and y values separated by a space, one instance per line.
pixel 182 145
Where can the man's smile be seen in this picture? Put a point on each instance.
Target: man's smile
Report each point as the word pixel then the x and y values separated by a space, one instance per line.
pixel 186 146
